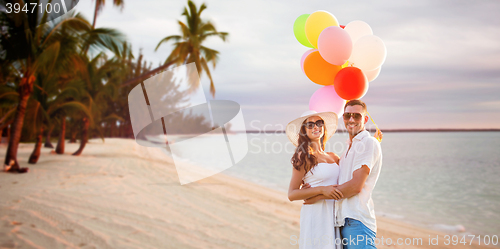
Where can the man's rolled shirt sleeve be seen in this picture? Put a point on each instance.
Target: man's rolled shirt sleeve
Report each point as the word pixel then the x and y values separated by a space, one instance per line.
pixel 367 152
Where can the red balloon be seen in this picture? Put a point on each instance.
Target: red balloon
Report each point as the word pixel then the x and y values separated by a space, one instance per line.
pixel 342 26
pixel 350 83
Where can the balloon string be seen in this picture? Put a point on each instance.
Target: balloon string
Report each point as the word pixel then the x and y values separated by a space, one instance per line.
pixel 372 120
pixel 378 130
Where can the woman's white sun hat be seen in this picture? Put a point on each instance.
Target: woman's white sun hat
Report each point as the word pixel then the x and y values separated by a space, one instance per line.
pixel 293 128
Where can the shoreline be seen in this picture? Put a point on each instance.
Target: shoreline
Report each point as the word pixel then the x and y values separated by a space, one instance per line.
pixel 119 194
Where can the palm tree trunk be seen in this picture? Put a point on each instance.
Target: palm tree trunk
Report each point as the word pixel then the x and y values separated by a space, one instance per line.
pixel 95 13
pixel 38 147
pixel 48 144
pixel 62 133
pixel 73 136
pixel 17 126
pixel 84 138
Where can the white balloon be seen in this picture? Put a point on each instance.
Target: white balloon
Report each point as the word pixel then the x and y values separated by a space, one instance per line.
pixel 368 53
pixel 358 29
pixel 372 74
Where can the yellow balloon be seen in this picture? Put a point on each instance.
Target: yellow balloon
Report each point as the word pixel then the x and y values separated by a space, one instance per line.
pixel 315 24
pixel 345 64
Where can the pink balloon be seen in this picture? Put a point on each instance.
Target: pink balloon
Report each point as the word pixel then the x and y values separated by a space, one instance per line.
pixel 335 45
pixel 304 57
pixel 326 99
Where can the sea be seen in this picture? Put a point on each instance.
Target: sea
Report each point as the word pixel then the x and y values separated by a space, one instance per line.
pixel 446 181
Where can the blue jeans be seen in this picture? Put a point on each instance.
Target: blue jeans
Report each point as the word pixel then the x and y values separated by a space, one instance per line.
pixel 355 235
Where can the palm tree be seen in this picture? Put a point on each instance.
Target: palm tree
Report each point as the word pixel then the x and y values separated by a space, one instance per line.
pixel 30 47
pixel 68 104
pixel 99 4
pixel 132 69
pixel 188 46
pixel 35 118
pixel 53 97
pixel 74 64
pixel 98 74
pixel 102 86
pixel 52 83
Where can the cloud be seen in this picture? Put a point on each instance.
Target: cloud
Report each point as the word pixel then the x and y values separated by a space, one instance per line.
pixel 443 56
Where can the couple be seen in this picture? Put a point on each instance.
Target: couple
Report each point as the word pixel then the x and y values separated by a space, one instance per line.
pixel 338 208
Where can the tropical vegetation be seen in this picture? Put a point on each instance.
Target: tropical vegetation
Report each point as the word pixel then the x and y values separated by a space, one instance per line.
pixel 68 79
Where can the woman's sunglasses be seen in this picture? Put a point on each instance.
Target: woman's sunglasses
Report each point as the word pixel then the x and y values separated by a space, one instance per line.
pixel 319 123
pixel 356 116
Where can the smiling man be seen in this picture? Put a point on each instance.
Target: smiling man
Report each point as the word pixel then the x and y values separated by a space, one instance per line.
pixel 359 170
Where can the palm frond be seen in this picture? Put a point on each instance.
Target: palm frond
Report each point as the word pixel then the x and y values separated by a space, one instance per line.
pixel 8 115
pixel 210 55
pixel 48 57
pixel 74 106
pixel 222 35
pixel 168 38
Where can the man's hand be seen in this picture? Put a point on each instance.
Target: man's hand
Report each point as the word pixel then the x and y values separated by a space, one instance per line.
pixel 331 192
pixel 379 135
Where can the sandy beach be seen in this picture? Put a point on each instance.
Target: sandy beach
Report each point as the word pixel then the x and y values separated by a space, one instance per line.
pixel 118 194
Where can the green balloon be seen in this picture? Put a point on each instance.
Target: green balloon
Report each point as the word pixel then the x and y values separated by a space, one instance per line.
pixel 299 30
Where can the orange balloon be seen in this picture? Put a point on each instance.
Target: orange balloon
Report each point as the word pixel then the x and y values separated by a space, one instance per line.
pixel 319 71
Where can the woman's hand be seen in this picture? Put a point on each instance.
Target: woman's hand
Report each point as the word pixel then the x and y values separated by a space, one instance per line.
pixel 314 199
pixel 331 192
pixel 305 185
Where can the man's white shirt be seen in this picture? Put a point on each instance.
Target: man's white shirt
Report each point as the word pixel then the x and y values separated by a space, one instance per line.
pixel 365 150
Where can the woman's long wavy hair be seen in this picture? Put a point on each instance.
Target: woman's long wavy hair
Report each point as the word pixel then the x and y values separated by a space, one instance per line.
pixel 303 156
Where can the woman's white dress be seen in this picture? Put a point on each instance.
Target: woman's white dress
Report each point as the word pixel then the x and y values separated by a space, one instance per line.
pixel 317 220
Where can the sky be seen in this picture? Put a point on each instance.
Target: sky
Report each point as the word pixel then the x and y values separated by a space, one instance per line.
pixel 442 68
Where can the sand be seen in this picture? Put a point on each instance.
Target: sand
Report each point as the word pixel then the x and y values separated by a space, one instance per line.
pixel 119 194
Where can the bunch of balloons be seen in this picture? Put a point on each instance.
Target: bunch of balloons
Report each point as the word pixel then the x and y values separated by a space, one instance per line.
pixel 342 58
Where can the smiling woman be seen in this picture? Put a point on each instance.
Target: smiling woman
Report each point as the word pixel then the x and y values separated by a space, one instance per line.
pixel 313 166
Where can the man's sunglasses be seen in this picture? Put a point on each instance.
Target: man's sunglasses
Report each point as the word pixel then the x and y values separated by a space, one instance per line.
pixel 320 123
pixel 356 116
